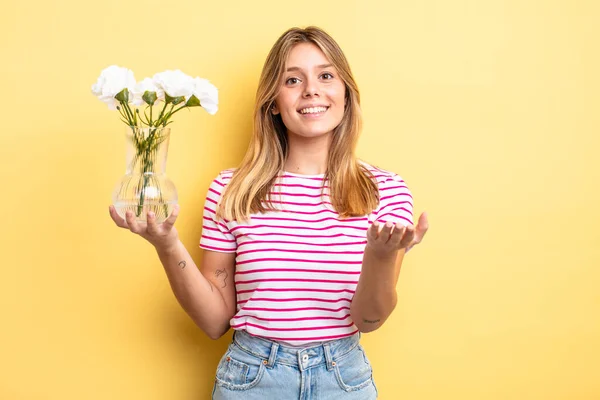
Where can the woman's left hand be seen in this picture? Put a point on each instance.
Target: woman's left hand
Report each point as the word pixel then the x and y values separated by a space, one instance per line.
pixel 385 241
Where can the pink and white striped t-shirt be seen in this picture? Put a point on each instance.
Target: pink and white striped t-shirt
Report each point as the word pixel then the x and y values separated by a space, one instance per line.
pixel 297 268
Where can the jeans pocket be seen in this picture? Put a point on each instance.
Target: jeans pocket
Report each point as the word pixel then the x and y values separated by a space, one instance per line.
pixel 239 370
pixel 353 371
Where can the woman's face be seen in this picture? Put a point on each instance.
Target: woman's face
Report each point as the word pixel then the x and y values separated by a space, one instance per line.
pixel 311 98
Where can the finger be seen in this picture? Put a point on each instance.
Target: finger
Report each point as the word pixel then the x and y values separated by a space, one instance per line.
pixel 131 222
pixel 396 235
pixel 116 217
pixel 373 231
pixel 407 239
pixel 422 227
pixel 386 231
pixel 169 222
pixel 152 227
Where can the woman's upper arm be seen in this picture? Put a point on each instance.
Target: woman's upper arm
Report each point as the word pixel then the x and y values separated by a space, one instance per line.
pixel 219 268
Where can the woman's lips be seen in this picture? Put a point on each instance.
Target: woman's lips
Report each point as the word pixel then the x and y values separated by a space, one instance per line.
pixel 314 115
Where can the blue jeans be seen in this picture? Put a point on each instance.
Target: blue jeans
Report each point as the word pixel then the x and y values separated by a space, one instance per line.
pixel 254 368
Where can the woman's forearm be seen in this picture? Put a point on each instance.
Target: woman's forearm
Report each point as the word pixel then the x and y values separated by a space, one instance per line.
pixel 197 296
pixel 375 297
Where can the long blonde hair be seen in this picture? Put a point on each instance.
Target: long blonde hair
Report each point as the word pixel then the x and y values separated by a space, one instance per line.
pixel 352 188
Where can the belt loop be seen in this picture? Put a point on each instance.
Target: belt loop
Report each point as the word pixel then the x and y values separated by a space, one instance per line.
pixel 328 358
pixel 273 354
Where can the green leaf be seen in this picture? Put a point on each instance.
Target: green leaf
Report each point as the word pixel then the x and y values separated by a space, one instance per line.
pixel 149 97
pixel 193 102
pixel 123 96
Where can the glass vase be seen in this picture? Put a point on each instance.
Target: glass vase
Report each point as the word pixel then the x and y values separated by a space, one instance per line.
pixel 145 186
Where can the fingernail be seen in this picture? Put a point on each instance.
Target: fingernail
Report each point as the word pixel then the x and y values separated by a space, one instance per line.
pixel 151 214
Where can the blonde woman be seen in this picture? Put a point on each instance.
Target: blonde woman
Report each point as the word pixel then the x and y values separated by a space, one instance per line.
pixel 302 242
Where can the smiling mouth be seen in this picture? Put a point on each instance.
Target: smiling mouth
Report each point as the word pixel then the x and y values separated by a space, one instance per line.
pixel 313 110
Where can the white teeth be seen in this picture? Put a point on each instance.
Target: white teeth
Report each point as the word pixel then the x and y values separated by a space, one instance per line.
pixel 313 110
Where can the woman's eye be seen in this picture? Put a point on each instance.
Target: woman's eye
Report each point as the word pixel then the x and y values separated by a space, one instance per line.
pixel 327 74
pixel 292 81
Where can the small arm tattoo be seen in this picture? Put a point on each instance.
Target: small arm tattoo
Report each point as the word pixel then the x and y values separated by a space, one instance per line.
pixel 219 273
pixel 182 264
pixel 371 321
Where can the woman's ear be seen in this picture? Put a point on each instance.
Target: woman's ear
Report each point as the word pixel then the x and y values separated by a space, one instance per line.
pixel 274 109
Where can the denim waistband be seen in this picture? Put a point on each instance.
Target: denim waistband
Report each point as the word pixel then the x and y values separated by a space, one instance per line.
pixel 304 358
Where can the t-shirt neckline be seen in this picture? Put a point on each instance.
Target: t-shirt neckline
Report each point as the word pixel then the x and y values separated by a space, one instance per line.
pixel 303 175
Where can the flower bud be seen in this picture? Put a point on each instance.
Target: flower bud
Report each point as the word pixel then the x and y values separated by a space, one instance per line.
pixel 174 100
pixel 149 97
pixel 193 102
pixel 123 96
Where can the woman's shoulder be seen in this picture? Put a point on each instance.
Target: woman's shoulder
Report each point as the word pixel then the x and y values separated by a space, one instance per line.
pixel 219 182
pixel 381 175
pixel 224 176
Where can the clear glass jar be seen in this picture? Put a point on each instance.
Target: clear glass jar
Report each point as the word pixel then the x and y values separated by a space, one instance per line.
pixel 145 186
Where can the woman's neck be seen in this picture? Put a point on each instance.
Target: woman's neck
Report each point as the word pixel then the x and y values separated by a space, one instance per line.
pixel 307 156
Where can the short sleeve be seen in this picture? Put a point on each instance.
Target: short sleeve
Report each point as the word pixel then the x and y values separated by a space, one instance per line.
pixel 395 202
pixel 216 235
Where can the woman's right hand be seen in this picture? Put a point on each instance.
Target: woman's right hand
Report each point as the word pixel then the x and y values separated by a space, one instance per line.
pixel 163 236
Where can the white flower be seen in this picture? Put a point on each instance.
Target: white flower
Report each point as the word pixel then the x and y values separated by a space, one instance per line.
pixel 207 93
pixel 147 85
pixel 174 83
pixel 113 80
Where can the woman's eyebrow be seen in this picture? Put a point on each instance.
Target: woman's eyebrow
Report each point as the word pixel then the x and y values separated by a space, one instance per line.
pixel 316 67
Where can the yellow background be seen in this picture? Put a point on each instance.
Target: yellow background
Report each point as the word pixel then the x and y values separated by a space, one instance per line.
pixel 488 109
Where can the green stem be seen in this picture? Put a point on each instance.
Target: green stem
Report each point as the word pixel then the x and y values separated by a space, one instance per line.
pixel 146 121
pixel 165 117
pixel 147 165
pixel 134 116
pixel 179 109
pixel 150 152
pixel 170 114
pixel 131 117
pixel 125 109
pixel 122 114
pixel 161 113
